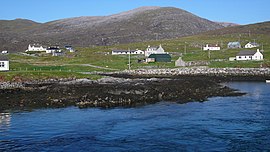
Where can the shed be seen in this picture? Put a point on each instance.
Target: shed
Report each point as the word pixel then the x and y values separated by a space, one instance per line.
pixel 161 57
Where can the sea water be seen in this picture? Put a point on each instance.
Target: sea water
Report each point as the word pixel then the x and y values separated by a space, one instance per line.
pixel 220 124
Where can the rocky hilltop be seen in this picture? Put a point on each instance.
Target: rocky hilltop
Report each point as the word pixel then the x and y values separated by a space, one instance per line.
pixel 141 24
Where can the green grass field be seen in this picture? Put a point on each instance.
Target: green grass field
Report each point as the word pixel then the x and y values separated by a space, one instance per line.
pixel 97 58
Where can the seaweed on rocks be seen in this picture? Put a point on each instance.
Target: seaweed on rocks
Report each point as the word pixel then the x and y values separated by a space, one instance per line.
pixel 112 92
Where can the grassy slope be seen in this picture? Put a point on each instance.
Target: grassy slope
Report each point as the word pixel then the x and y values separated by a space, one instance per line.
pixel 45 67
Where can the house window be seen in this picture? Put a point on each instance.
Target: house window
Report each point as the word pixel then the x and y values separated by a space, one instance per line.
pixel 2 64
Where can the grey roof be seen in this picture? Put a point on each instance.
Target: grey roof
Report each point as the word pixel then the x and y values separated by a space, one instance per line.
pixel 254 43
pixel 3 58
pixel 246 53
pixel 233 43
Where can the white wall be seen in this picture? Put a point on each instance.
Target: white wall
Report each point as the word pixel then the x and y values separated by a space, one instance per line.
pixel 4 65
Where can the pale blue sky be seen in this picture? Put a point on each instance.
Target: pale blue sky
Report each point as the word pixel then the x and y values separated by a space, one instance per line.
pixel 236 11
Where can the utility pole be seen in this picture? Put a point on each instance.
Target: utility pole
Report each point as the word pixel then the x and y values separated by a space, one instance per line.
pixel 129 67
pixel 209 54
pixel 185 48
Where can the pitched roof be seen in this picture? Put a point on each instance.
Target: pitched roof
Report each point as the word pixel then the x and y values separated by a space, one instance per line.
pixel 233 43
pixel 3 58
pixel 253 43
pixel 159 56
pixel 246 53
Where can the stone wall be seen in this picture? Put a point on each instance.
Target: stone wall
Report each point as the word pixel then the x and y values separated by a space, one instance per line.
pixel 203 71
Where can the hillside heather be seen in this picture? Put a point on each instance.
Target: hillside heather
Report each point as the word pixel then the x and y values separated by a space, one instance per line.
pixel 141 24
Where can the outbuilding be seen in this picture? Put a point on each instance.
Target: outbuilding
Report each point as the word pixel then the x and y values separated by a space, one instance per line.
pixel 161 57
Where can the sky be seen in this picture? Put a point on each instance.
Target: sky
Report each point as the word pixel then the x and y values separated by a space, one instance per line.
pixel 235 11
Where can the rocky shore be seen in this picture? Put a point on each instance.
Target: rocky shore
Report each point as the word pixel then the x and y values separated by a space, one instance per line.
pixel 127 88
pixel 108 92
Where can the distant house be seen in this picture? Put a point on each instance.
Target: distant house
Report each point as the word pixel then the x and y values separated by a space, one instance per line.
pixel 4 52
pixel 35 48
pixel 234 45
pixel 53 49
pixel 123 52
pixel 252 45
pixel 154 50
pixel 159 58
pixel 211 47
pixel 70 48
pixel 4 63
pixel 249 55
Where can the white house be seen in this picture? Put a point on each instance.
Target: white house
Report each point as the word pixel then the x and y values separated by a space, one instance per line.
pixel 211 47
pixel 4 63
pixel 154 50
pixel 249 55
pixel 252 45
pixel 5 52
pixel 123 52
pixel 35 47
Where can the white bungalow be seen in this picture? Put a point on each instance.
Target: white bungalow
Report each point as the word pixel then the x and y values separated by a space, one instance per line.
pixel 211 47
pixel 124 52
pixel 252 45
pixel 249 55
pixel 154 50
pixel 35 47
pixel 4 63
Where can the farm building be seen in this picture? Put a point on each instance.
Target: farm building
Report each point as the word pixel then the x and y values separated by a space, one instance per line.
pixel 4 63
pixel 249 55
pixel 234 45
pixel 160 57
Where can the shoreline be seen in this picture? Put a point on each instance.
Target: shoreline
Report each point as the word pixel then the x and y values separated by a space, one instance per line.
pixel 112 92
pixel 127 88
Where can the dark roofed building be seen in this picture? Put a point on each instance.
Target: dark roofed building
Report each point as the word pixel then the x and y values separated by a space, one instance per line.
pixel 161 57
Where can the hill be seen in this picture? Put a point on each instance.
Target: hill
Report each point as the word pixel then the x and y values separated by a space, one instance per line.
pixel 138 25
pixel 257 28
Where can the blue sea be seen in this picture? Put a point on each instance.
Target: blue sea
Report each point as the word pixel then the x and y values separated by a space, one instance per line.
pixel 220 124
